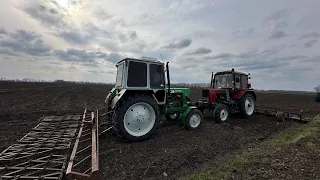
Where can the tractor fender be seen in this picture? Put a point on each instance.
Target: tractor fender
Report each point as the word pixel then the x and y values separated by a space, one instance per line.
pixel 186 112
pixel 111 93
pixel 239 94
pixel 242 92
pixel 117 98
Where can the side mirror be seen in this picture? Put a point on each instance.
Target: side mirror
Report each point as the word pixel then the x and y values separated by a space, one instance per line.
pixel 249 77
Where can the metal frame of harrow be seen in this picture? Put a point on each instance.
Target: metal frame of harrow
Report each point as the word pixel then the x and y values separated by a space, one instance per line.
pixel 43 152
pixel 86 140
pixel 282 115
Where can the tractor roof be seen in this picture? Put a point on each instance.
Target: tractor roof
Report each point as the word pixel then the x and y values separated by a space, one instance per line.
pixel 229 72
pixel 143 59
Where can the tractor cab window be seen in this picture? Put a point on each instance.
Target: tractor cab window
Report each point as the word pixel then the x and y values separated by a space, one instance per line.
pixel 223 81
pixel 119 75
pixel 137 74
pixel 156 76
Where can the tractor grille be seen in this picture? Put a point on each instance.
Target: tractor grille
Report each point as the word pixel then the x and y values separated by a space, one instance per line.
pixel 205 93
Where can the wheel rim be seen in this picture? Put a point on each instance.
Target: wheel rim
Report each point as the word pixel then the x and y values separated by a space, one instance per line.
pixel 195 120
pixel 249 105
pixel 173 116
pixel 139 119
pixel 223 114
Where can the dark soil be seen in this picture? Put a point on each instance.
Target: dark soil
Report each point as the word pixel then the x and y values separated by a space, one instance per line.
pixel 173 152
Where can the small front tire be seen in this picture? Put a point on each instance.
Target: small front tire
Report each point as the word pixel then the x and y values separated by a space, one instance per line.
pixel 221 113
pixel 194 119
pixel 173 117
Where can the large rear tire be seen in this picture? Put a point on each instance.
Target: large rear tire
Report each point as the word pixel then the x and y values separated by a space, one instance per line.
pixel 136 118
pixel 317 97
pixel 247 105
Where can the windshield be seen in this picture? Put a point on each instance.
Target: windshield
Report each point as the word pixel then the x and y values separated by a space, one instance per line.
pixel 119 75
pixel 223 81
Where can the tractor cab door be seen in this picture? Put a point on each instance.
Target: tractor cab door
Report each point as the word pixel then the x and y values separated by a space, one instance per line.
pixel 237 81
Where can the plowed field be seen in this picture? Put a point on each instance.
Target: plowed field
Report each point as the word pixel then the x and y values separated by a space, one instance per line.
pixel 172 153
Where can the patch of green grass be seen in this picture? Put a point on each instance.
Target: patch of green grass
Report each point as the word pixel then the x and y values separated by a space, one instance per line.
pixel 285 138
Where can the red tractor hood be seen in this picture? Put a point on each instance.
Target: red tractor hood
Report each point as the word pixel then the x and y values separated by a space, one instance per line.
pixel 211 93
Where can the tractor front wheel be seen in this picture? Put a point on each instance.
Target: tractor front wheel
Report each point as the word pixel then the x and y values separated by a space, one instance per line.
pixel 221 113
pixel 173 117
pixel 246 105
pixel 194 119
pixel 136 118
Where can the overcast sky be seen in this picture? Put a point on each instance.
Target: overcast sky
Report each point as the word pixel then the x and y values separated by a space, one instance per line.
pixel 277 41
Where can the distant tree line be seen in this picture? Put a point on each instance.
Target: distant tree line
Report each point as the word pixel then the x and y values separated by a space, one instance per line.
pixel 61 81
pixel 317 89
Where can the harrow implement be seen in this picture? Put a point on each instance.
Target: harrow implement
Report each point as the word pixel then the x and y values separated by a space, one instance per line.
pixel 43 152
pixel 283 115
pixel 86 148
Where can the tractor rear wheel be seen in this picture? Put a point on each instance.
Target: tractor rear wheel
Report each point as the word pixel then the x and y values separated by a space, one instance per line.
pixel 221 113
pixel 194 119
pixel 317 97
pixel 246 105
pixel 136 118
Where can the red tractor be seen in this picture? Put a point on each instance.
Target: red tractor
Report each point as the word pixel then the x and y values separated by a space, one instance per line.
pixel 230 92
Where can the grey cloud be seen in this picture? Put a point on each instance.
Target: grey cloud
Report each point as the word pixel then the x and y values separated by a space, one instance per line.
pixel 309 35
pixel 22 41
pixel 101 72
pixel 7 52
pixel 201 50
pixel 126 37
pixel 133 35
pixel 250 54
pixel 222 56
pixel 85 56
pixel 75 36
pixel 263 65
pixel 102 15
pixel 277 34
pixel 243 32
pixel 180 44
pixel 276 16
pixel 47 16
pixel 3 31
pixel 310 43
pixel 90 64
pixel 55 63
pixel 281 24
pixel 294 57
pixel 311 59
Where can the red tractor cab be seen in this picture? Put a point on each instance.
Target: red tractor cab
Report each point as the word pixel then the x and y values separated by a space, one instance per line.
pixel 229 92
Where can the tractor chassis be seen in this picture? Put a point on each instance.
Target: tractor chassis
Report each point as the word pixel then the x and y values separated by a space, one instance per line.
pixel 204 105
